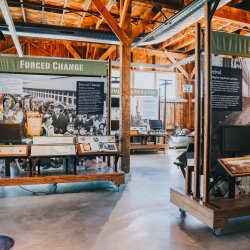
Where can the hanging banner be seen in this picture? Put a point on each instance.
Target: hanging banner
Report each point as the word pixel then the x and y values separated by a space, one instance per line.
pixel 90 98
pixel 41 65
pixel 137 92
pixel 230 44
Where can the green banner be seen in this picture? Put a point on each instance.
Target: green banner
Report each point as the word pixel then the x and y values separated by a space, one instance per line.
pixel 230 44
pixel 41 65
pixel 137 92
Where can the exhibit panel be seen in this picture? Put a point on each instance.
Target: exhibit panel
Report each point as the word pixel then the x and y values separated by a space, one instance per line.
pixel 221 137
pixel 46 109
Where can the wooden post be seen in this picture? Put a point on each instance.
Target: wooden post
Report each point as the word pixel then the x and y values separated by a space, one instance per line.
pixel 125 59
pixel 207 102
pixel 197 116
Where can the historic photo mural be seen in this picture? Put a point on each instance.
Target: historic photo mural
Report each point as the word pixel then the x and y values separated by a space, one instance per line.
pixel 55 103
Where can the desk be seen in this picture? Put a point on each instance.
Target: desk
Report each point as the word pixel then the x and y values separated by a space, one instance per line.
pixel 144 144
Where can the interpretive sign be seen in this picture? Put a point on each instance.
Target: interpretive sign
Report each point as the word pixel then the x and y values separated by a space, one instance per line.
pixel 34 123
pixel 90 98
pixel 226 89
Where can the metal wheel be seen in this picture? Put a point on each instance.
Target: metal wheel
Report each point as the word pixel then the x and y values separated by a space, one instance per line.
pixel 182 211
pixel 218 232
pixel 53 187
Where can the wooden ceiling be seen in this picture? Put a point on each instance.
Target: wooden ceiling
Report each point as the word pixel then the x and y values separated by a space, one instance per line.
pixel 146 16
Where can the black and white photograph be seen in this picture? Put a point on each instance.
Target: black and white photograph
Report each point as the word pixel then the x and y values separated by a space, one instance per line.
pixel 55 98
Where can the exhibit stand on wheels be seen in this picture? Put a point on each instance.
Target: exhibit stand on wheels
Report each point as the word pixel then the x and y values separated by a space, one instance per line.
pixel 221 132
pixel 55 122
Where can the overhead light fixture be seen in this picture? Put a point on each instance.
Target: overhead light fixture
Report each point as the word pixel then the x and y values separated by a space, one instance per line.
pixel 2 37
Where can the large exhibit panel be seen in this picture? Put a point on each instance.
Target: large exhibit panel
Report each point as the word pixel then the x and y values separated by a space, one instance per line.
pixel 220 168
pixel 231 114
pixel 53 99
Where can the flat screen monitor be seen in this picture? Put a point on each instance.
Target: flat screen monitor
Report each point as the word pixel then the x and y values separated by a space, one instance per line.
pixel 10 132
pixel 236 139
pixel 155 124
pixel 115 124
pixel 115 102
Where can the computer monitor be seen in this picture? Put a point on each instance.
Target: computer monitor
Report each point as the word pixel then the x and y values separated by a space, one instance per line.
pixel 115 102
pixel 115 124
pixel 155 124
pixel 235 139
pixel 10 132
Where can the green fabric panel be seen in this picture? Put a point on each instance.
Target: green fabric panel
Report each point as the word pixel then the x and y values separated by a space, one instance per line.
pixel 230 44
pixel 39 65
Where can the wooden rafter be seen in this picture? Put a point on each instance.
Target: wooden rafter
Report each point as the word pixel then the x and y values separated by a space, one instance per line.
pixel 108 6
pixel 23 11
pixel 106 54
pixel 158 53
pixel 42 14
pixel 71 50
pixel 62 16
pixel 10 48
pixel 88 47
pixel 124 12
pixel 111 22
pixel 233 15
pixel 188 40
pixel 85 8
pixel 41 49
pixel 147 16
pixel 180 68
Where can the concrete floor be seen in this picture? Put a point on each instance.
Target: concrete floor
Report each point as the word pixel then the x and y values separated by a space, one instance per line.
pixel 97 217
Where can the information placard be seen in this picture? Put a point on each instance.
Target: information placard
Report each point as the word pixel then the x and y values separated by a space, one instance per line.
pixel 90 98
pixel 226 89
pixel 34 123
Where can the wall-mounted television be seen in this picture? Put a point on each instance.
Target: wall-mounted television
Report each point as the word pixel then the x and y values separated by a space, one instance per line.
pixel 10 132
pixel 155 124
pixel 115 124
pixel 115 102
pixel 235 139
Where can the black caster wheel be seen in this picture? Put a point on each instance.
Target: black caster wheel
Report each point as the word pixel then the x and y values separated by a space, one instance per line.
pixel 218 232
pixel 182 211
pixel 118 187
pixel 53 187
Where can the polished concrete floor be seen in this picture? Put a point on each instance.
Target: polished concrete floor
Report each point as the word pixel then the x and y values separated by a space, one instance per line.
pixel 97 217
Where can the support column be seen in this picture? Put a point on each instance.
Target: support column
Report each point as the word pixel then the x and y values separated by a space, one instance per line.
pixel 125 60
pixel 197 116
pixel 207 101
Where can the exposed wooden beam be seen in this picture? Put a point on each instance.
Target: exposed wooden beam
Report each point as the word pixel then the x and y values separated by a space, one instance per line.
pixel 158 53
pixel 10 48
pixel 180 68
pixel 62 16
pixel 111 22
pixel 233 15
pixel 23 11
pixel 88 47
pixel 8 19
pixel 124 12
pixel 108 6
pixel 71 50
pixel 42 14
pixel 174 5
pixel 106 54
pixel 188 40
pixel 85 7
pixel 41 49
pixel 147 16
pixel 192 73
